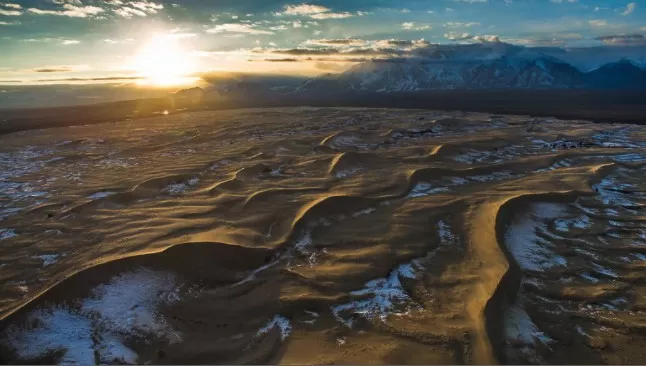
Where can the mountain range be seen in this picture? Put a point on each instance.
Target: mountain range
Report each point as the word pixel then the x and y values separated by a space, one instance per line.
pixel 491 65
pixel 502 73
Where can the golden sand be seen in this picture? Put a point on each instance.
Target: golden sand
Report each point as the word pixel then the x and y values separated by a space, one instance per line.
pixel 328 236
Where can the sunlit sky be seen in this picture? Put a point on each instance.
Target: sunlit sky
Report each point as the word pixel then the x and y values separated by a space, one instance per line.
pixel 168 41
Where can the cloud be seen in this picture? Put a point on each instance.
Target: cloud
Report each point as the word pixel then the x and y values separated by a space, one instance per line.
pixel 61 2
pixel 414 26
pixel 598 22
pixel 336 42
pixel 344 45
pixel 281 27
pixel 315 12
pixel 304 9
pixel 468 37
pixel 11 5
pixel 281 60
pixel 70 11
pixel 61 68
pixel 457 36
pixel 332 15
pixel 9 23
pixel 470 1
pixel 10 12
pixel 237 28
pixel 146 6
pixel 108 78
pixel 328 51
pixel 128 12
pixel 460 25
pixel 135 8
pixel 623 39
pixel 629 9
pixel 117 41
pixel 62 41
pixel 564 1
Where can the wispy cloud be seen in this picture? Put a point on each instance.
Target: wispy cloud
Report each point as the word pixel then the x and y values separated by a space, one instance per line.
pixel 117 41
pixel 461 25
pixel 415 26
pixel 598 23
pixel 332 15
pixel 73 11
pixel 304 9
pixel 315 12
pixel 238 28
pixel 63 41
pixel 469 37
pixel 336 42
pixel 11 5
pixel 629 9
pixel 10 12
pixel 135 8
pixel 61 68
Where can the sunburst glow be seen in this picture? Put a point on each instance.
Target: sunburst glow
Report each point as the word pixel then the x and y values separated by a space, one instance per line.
pixel 164 61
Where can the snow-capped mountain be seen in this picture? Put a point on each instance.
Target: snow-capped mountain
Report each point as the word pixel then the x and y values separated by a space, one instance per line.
pixel 445 71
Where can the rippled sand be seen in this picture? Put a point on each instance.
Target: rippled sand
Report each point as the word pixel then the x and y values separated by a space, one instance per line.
pixel 323 236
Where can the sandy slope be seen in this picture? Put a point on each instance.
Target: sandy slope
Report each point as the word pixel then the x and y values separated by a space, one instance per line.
pixel 310 235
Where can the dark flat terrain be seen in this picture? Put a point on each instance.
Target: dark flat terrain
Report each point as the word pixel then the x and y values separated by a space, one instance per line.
pixel 594 105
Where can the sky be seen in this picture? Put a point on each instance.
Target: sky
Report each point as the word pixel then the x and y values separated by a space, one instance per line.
pixel 167 42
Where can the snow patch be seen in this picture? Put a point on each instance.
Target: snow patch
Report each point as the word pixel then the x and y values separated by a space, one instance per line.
pixel 378 298
pixel 347 172
pixel 425 189
pixel 125 307
pixel 7 233
pixel 521 239
pixel 100 195
pixel 279 321
pixel 48 259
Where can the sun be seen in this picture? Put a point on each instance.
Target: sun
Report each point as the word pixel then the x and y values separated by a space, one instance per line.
pixel 163 61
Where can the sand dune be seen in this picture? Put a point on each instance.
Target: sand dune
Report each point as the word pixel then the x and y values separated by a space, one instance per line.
pixel 314 235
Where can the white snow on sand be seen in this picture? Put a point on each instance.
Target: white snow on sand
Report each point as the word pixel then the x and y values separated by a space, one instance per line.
pixel 124 308
pixel 495 176
pixel 48 259
pixel 279 321
pixel 521 240
pixel 447 237
pixel 7 233
pixel 347 172
pixel 522 336
pixel 99 195
pixel 425 189
pixel 581 222
pixel 378 298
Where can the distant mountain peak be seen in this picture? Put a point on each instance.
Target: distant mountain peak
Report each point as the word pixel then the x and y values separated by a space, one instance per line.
pixel 477 68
